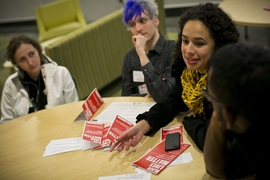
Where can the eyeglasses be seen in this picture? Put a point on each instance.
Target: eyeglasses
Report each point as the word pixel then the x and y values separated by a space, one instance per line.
pixel 211 98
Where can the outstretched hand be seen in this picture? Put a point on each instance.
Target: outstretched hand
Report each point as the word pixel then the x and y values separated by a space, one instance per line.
pixel 131 137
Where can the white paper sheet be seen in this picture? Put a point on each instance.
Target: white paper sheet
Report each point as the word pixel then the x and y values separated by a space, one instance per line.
pixel 127 110
pixel 63 145
pixel 182 159
pixel 139 176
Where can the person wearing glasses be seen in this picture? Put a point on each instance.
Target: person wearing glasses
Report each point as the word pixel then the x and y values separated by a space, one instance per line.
pixel 39 83
pixel 237 136
pixel 147 67
pixel 203 30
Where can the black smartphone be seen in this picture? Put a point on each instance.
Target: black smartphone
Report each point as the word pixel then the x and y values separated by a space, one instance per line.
pixel 172 141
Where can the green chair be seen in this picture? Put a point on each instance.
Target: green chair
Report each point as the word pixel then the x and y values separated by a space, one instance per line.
pixel 58 18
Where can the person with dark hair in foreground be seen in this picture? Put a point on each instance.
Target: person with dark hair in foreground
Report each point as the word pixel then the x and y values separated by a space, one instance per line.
pixel 238 87
pixel 203 30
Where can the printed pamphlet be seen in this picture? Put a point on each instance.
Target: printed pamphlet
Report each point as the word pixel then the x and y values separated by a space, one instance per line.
pixel 92 104
pixel 157 159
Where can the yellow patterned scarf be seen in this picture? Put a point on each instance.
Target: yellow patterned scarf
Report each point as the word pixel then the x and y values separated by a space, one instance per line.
pixel 193 83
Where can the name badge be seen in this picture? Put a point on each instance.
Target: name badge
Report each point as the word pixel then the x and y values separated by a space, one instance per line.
pixel 143 89
pixel 138 76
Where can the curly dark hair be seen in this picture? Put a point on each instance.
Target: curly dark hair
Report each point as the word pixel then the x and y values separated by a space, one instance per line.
pixel 220 26
pixel 15 42
pixel 243 84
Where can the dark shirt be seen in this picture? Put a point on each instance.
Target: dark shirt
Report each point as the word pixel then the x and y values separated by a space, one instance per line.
pixel 163 113
pixel 159 67
pixel 249 154
pixel 35 92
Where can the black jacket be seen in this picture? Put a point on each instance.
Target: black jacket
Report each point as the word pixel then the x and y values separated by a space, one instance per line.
pixel 164 112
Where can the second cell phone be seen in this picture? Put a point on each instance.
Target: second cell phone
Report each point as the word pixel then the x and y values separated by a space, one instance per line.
pixel 172 141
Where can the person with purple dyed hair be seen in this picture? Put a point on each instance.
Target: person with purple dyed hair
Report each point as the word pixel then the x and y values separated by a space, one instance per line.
pixel 147 67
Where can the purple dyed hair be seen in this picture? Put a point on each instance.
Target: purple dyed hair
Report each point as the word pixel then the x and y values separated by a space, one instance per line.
pixel 134 9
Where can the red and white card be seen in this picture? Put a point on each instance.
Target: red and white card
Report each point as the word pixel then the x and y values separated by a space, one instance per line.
pixel 118 126
pixel 93 132
pixel 92 104
pixel 157 159
pixel 106 142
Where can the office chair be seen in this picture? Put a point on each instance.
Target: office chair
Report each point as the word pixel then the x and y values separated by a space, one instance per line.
pixel 58 18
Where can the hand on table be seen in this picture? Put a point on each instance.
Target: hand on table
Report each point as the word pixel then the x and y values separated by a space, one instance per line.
pixel 148 95
pixel 131 137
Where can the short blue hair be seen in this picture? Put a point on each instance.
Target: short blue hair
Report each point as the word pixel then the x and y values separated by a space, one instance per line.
pixel 137 7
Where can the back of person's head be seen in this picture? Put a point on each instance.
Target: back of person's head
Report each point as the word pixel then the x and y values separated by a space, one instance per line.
pixel 240 79
pixel 134 9
pixel 15 42
pixel 220 26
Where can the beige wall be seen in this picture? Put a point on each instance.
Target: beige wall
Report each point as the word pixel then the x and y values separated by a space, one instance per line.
pixel 23 10
pixel 186 3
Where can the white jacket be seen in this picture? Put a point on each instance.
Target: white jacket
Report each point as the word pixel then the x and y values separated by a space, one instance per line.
pixel 59 88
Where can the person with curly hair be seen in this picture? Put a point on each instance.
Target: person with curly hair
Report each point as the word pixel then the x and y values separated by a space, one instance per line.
pixel 39 83
pixel 238 87
pixel 203 30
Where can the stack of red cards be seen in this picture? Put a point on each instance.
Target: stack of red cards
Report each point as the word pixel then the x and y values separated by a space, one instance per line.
pixel 97 135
